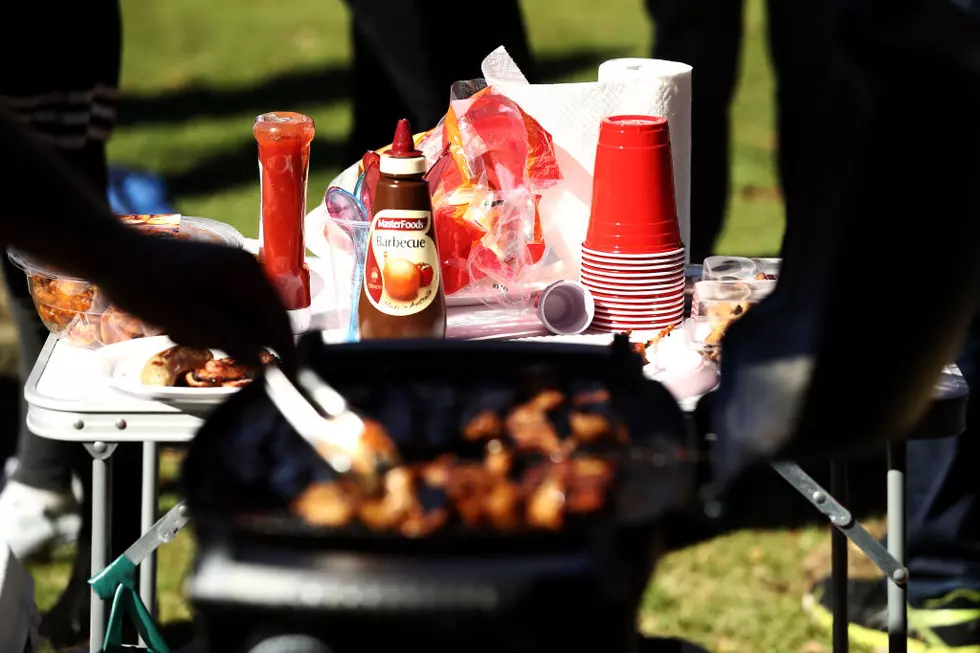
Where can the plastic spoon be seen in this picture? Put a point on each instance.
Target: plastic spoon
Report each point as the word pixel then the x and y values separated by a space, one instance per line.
pixel 349 213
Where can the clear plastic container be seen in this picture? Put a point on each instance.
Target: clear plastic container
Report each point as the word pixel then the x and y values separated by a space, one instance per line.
pixel 769 267
pixel 716 304
pixel 729 268
pixel 80 312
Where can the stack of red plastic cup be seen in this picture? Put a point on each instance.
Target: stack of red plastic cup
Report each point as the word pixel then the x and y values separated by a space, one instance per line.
pixel 633 257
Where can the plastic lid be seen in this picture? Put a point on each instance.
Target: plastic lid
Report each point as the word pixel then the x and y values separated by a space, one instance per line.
pixel 191 228
pixel 402 158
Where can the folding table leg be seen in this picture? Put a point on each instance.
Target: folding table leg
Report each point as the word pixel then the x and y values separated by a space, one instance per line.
pixel 101 453
pixel 838 561
pixel 897 589
pixel 148 517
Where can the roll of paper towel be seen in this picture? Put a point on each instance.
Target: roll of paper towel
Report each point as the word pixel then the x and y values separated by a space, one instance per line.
pixel 571 113
pixel 660 88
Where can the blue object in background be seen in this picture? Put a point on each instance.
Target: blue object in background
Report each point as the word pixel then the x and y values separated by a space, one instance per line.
pixel 137 192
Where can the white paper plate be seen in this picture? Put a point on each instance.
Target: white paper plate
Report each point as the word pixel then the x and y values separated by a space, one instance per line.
pixel 123 362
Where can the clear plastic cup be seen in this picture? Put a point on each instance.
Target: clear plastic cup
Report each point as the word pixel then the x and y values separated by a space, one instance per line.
pixel 729 268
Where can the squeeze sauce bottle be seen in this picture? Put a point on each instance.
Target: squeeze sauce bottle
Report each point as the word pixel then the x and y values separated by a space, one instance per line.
pixel 284 162
pixel 402 296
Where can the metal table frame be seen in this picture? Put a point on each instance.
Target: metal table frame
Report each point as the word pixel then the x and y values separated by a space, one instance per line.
pixel 102 430
pixel 946 417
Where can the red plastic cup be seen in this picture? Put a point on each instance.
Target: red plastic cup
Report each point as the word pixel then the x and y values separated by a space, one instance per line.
pixel 655 305
pixel 636 258
pixel 599 267
pixel 662 303
pixel 614 287
pixel 632 279
pixel 638 319
pixel 651 320
pixel 633 205
pixel 618 326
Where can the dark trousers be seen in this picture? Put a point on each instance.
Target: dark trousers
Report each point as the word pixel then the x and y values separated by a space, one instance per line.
pixel 49 464
pixel 82 62
pixel 943 484
pixel 707 34
pixel 407 54
pixel 943 501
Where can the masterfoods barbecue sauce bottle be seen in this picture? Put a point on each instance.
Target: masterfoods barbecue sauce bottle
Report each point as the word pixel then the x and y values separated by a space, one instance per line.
pixel 402 295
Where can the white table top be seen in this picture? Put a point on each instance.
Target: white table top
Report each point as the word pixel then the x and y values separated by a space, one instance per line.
pixel 69 396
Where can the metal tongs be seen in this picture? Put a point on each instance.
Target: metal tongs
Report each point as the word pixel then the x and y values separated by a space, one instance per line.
pixel 323 418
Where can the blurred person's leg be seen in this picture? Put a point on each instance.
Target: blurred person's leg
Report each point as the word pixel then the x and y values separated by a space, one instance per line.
pixel 943 549
pixel 408 54
pixel 706 34
pixel 944 522
pixel 69 100
pixel 37 507
pixel 801 50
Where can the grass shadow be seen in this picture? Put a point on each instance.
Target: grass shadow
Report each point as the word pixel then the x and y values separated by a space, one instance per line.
pixel 235 167
pixel 326 85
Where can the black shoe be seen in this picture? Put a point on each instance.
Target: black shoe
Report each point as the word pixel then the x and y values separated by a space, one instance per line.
pixel 950 624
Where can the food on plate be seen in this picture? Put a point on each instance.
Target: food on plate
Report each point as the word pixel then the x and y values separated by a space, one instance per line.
pixel 166 367
pixel 197 368
pixel 217 373
pixel 535 466
pixel 641 347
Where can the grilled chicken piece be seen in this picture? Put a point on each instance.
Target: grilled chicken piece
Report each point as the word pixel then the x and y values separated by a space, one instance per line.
pixel 546 502
pixel 392 507
pixel 165 368
pixel 531 430
pixel 589 481
pixel 485 426
pixel 641 349
pixel 224 372
pixel 590 428
pixel 547 400
pixel 325 504
pixel 502 505
pixel 498 459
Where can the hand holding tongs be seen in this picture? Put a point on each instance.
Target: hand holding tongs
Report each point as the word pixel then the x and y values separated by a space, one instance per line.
pixel 326 422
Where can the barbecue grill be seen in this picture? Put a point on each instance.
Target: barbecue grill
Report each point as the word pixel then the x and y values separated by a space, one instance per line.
pixel 267 580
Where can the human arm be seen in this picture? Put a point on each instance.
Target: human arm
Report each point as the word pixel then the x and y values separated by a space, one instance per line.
pixel 200 294
pixel 879 287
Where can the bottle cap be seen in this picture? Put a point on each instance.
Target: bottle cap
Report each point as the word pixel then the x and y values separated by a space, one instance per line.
pixel 402 158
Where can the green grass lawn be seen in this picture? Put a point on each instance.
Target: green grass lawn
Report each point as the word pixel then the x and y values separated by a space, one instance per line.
pixel 195 75
pixel 198 73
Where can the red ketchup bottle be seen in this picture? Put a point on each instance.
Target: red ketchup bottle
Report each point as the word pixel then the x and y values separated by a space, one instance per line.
pixel 284 139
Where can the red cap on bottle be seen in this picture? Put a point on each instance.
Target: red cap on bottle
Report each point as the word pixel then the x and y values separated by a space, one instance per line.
pixel 403 145
pixel 402 158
